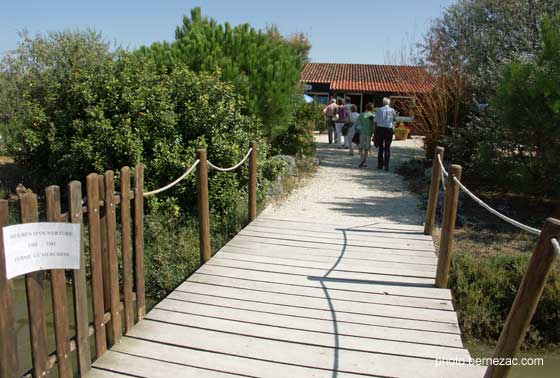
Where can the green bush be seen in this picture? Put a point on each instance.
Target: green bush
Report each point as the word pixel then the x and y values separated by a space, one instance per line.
pixel 298 138
pixel 77 107
pixel 484 288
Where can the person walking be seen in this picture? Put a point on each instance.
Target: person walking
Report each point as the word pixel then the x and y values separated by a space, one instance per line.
pixel 365 129
pixel 341 115
pixel 353 123
pixel 384 120
pixel 329 111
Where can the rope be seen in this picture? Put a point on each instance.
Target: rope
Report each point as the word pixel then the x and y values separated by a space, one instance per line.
pixel 441 165
pixel 170 185
pixel 555 245
pixel 235 166
pixel 495 212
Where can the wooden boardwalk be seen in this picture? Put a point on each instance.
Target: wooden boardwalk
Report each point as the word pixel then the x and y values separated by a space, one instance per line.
pixel 290 298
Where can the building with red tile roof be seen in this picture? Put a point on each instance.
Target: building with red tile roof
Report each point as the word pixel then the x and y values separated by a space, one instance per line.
pixel 364 83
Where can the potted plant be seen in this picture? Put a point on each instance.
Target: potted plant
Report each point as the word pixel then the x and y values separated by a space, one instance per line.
pixel 401 132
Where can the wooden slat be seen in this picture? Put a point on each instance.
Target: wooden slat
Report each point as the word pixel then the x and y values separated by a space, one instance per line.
pixel 59 298
pixel 312 324
pixel 94 232
pixel 301 354
pixel 116 322
pixel 79 286
pixel 312 313
pixel 126 249
pixel 105 256
pixel 139 241
pixel 8 346
pixel 34 287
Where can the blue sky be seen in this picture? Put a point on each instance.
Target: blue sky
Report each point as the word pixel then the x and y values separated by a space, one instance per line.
pixel 358 31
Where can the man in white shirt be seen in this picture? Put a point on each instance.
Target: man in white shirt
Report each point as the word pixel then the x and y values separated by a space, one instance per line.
pixel 329 111
pixel 384 120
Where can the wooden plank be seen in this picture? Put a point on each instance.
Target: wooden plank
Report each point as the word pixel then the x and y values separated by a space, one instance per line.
pixel 374 255
pixel 340 234
pixel 99 373
pixel 319 229
pixel 8 347
pixel 348 250
pixel 318 274
pixel 334 340
pixel 79 288
pixel 413 245
pixel 312 255
pixel 319 292
pixel 350 286
pixel 126 238
pixel 59 298
pixel 221 362
pixel 313 356
pixel 387 227
pixel 313 324
pixel 94 232
pixel 322 303
pixel 105 256
pixel 312 313
pixel 36 306
pixel 340 265
pixel 139 241
pixel 135 366
pixel 113 264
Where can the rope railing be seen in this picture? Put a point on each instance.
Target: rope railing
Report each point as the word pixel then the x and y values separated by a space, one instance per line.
pixel 172 184
pixel 443 171
pixel 555 245
pixel 210 164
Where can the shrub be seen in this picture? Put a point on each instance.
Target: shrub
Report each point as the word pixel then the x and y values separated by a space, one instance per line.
pixel 484 288
pixel 298 138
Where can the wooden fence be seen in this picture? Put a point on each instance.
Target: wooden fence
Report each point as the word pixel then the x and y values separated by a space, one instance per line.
pixel 118 300
pixel 534 279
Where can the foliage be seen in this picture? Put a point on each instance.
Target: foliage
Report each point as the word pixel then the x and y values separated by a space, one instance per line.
pixel 484 288
pixel 528 105
pixel 76 107
pixel 263 66
pixel 298 138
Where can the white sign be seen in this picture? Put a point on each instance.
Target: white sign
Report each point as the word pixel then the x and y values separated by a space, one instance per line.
pixel 308 87
pixel 38 246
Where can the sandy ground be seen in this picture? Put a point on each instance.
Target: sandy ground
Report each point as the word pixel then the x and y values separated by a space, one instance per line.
pixel 341 193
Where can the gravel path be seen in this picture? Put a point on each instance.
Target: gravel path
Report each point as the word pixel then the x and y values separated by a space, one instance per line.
pixel 342 193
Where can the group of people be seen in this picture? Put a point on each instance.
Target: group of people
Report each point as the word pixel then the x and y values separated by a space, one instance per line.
pixel 343 120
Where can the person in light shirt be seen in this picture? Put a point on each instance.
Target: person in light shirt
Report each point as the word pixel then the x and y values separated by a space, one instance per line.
pixel 329 111
pixel 384 124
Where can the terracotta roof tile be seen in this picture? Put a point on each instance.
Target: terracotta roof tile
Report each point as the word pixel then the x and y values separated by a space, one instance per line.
pixel 368 77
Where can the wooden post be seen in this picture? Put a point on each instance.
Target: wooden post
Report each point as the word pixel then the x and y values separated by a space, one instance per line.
pixel 449 216
pixel 139 241
pixel 35 297
pixel 8 346
pixel 203 207
pixel 79 288
pixel 59 298
pixel 527 299
pixel 434 192
pixel 126 236
pixel 253 182
pixel 105 257
pixel 94 227
pixel 113 263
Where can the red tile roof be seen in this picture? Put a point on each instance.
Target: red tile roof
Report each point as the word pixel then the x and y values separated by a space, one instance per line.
pixel 368 77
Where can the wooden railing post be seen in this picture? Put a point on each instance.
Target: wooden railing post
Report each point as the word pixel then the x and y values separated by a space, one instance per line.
pixel 449 216
pixel 8 344
pixel 94 225
pixel 126 249
pixel 79 288
pixel 139 241
pixel 203 206
pixel 434 192
pixel 253 182
pixel 59 298
pixel 34 287
pixel 527 299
